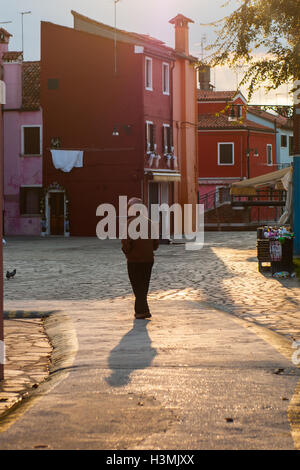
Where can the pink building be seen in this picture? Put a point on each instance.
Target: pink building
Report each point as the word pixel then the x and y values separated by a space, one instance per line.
pixel 22 147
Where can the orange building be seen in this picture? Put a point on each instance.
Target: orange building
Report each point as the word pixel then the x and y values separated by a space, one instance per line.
pixel 185 112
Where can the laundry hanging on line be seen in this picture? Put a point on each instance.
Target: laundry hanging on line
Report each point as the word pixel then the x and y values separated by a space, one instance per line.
pixel 66 160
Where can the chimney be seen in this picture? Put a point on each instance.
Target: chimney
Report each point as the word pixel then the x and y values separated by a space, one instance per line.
pixel 181 33
pixel 204 77
pixel 4 40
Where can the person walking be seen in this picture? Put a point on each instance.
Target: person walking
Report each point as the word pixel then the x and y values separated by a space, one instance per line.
pixel 140 260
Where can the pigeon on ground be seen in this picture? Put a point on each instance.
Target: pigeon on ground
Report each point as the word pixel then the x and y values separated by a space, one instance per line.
pixel 10 275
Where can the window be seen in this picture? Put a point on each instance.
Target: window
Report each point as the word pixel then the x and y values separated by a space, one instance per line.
pixel 166 79
pixel 53 83
pixel 269 154
pixel 30 200
pixel 225 153
pixel 167 139
pixel 150 136
pixel 148 73
pixel 31 140
pixel 2 92
pixel 291 145
pixel 283 141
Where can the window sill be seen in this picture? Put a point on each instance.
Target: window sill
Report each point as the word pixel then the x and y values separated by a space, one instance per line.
pixel 149 89
pixel 30 216
pixel 22 155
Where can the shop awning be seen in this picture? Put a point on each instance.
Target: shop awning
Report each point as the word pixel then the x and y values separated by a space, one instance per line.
pixel 160 176
pixel 248 187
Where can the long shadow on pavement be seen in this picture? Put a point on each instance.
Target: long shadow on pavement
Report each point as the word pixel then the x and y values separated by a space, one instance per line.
pixel 134 352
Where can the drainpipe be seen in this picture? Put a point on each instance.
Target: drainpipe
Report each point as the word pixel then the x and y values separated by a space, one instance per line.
pixel 2 350
pixel 248 154
pixel 172 111
pixel 275 128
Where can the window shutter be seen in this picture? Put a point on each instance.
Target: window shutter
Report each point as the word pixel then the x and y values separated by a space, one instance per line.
pixel 32 141
pixel 22 201
pixel 146 137
pixel 152 136
pixel 226 154
pixel 30 200
pixel 169 139
pixel 163 139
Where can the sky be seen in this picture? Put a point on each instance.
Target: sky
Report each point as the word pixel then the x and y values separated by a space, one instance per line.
pixel 140 16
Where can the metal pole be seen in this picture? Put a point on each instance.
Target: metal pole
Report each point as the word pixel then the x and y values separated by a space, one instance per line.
pixel 115 45
pixel 2 350
pixel 22 16
pixel 296 169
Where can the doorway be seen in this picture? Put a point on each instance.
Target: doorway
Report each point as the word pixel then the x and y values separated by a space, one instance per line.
pixel 57 213
pixel 159 194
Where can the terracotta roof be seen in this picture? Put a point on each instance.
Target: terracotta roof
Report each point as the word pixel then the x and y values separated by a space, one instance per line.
pixel 281 121
pixel 135 36
pixel 6 33
pixel 145 39
pixel 12 56
pixel 211 121
pixel 210 95
pixel 31 86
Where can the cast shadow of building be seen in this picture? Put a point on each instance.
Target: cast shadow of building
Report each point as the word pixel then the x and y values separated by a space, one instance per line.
pixel 134 352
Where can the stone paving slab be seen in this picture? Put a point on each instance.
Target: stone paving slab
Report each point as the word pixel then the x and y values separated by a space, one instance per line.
pixel 28 357
pixel 60 273
pixel 191 378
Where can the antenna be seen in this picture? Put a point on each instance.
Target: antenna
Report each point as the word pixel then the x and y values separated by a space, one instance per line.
pixel 237 69
pixel 22 16
pixel 203 41
pixel 115 47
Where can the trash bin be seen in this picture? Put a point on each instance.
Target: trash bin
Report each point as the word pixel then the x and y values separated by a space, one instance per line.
pixel 275 246
pixel 286 261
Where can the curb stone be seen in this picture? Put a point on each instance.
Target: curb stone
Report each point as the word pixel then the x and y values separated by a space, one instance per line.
pixel 19 314
pixel 62 338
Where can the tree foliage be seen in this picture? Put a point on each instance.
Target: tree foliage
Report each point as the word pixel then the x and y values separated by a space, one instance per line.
pixel 265 34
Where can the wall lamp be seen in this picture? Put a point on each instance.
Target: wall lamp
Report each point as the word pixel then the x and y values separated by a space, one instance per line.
pixel 256 154
pixel 126 127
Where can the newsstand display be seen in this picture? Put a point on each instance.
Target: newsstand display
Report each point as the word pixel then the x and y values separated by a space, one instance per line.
pixel 275 246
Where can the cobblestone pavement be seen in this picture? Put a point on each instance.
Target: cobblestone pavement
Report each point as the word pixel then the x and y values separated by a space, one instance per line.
pixel 224 274
pixel 27 361
pixel 61 273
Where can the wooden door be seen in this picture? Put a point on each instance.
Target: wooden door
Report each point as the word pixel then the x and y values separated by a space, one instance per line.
pixel 57 219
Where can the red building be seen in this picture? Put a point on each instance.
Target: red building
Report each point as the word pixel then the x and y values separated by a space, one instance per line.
pixel 108 94
pixel 4 37
pixel 231 148
pixel 224 144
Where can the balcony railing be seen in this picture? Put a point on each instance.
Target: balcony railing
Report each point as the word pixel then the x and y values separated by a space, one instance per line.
pixel 263 198
pixel 214 198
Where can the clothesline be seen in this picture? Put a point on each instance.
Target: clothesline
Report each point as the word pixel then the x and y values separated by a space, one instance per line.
pixel 67 159
pixel 87 149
